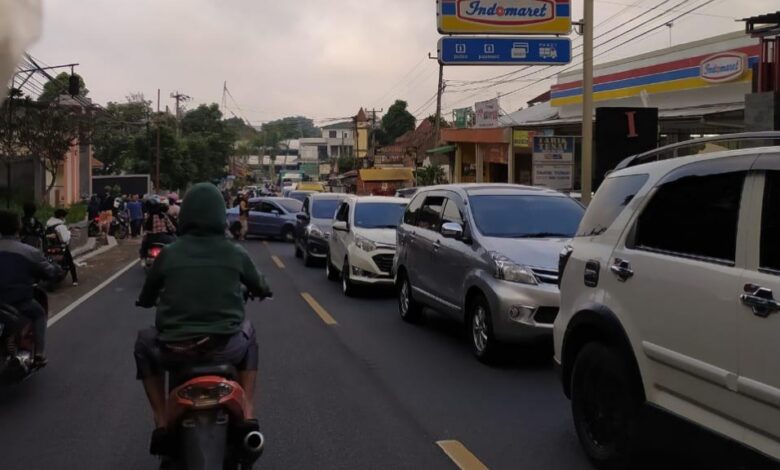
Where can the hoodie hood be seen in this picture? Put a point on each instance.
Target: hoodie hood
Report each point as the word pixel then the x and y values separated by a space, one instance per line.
pixel 203 211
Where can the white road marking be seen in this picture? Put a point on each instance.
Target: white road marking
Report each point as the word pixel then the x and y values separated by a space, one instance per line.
pixel 61 314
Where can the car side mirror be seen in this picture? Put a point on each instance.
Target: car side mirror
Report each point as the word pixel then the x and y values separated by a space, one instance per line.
pixel 340 226
pixel 452 230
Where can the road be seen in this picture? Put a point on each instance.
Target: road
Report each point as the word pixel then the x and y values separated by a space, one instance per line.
pixel 367 392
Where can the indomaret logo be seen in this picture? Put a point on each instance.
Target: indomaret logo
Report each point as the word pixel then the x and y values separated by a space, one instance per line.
pixel 507 12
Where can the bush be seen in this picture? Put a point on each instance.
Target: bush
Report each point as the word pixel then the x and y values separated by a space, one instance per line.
pixel 76 212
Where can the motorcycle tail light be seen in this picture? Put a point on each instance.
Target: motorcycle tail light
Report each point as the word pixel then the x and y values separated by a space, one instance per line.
pixel 154 252
pixel 201 396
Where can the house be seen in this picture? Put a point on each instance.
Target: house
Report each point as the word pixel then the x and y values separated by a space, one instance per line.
pixel 340 139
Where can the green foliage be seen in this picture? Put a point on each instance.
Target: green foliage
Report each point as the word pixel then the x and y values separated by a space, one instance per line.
pixel 59 86
pixel 430 175
pixel 115 131
pixel 347 163
pixel 397 121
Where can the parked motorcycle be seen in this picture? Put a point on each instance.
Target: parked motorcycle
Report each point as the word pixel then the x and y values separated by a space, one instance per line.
pixel 120 226
pixel 55 253
pixel 94 227
pixel 17 342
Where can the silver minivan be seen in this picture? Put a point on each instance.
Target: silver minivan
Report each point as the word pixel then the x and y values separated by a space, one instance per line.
pixel 486 254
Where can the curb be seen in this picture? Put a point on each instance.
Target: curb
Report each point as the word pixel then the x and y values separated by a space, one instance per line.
pixel 89 246
pixel 111 245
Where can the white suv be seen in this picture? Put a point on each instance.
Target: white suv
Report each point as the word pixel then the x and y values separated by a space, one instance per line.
pixel 362 245
pixel 667 300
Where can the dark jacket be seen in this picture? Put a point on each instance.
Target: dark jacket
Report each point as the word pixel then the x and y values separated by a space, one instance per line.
pixel 21 266
pixel 198 278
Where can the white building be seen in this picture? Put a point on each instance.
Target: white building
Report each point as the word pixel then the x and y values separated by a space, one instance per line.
pixel 340 139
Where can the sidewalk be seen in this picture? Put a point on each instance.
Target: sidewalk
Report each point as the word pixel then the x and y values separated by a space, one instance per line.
pixel 96 270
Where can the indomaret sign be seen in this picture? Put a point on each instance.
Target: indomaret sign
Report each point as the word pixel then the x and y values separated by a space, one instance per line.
pixel 504 16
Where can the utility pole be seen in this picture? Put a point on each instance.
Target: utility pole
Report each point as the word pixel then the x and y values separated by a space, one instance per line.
pixel 180 98
pixel 373 130
pixel 587 104
pixel 437 126
pixel 157 159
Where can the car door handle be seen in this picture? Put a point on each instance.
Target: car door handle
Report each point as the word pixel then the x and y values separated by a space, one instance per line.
pixel 760 299
pixel 622 269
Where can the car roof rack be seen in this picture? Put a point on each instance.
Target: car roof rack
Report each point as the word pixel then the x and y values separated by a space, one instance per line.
pixel 760 139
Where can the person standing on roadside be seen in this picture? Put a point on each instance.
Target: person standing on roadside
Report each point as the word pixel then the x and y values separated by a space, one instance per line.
pixel 106 209
pixel 243 215
pixel 56 224
pixel 135 208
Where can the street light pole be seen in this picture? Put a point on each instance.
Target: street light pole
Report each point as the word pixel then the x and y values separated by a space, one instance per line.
pixel 587 104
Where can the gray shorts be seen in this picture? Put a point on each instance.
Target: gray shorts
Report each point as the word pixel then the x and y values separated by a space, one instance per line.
pixel 152 358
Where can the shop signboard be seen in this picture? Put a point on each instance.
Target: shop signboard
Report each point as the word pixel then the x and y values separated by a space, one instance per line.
pixel 723 67
pixel 504 51
pixel 553 149
pixel 487 113
pixel 522 139
pixel 504 16
pixel 463 117
pixel 560 177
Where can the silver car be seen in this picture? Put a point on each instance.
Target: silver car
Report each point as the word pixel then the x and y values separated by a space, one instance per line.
pixel 486 254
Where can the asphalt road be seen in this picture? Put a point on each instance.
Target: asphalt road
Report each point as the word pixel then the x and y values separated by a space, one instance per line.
pixel 369 392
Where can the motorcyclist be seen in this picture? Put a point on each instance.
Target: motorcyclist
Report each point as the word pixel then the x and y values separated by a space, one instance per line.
pixel 21 266
pixel 32 230
pixel 158 227
pixel 60 233
pixel 198 282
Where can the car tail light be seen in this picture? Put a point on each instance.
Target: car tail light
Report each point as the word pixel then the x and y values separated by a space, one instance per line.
pixel 563 259
pixel 154 252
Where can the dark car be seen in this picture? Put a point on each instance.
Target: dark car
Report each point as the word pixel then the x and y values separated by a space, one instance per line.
pixel 313 229
pixel 270 217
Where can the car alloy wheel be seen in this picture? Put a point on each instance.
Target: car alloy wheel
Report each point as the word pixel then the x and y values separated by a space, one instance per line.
pixel 483 343
pixel 346 285
pixel 287 235
pixel 479 330
pixel 330 272
pixel 409 309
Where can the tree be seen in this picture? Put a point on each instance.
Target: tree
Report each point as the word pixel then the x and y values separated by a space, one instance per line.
pixel 115 130
pixel 13 120
pixel 430 175
pixel 346 163
pixel 397 121
pixel 59 86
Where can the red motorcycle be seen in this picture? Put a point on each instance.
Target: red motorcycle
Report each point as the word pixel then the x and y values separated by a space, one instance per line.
pixel 17 342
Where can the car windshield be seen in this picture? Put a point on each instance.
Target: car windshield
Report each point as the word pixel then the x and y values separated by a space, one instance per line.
pixel 290 205
pixel 526 216
pixel 379 214
pixel 325 208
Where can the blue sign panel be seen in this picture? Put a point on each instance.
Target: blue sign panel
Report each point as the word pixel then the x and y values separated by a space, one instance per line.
pixel 504 51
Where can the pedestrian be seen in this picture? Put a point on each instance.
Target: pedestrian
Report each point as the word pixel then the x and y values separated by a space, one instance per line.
pixel 56 226
pixel 243 215
pixel 93 208
pixel 135 208
pixel 32 230
pixel 106 209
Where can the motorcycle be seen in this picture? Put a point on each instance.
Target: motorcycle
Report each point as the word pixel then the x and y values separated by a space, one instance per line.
pixel 206 406
pixel 94 227
pixel 120 226
pixel 17 342
pixel 152 253
pixel 55 253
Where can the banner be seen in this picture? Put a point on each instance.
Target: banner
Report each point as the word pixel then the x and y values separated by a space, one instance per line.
pixel 621 133
pixel 463 117
pixel 487 113
pixel 522 138
pixel 555 149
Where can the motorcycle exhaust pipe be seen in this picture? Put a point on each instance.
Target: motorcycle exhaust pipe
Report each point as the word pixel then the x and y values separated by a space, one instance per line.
pixel 254 442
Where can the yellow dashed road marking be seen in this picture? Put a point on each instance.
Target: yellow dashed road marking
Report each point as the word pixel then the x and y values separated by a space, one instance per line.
pixel 462 457
pixel 278 262
pixel 318 309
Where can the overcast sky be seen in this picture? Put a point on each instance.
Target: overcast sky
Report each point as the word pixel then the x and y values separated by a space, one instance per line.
pixel 319 58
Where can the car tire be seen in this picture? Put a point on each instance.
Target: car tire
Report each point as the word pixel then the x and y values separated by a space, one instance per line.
pixel 480 329
pixel 298 251
pixel 605 402
pixel 330 270
pixel 348 288
pixel 287 234
pixel 408 308
pixel 308 261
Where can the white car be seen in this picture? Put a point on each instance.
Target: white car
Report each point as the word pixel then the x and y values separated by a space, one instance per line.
pixel 667 300
pixel 363 241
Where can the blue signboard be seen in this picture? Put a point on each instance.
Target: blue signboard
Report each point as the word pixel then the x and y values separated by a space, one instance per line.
pixel 504 51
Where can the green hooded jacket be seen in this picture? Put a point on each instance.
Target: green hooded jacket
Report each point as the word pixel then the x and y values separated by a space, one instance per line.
pixel 198 278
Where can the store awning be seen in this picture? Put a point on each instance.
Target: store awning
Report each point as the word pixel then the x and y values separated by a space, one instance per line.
pixel 442 149
pixel 387 174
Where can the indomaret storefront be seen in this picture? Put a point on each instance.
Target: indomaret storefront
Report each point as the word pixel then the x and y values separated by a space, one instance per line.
pixel 699 88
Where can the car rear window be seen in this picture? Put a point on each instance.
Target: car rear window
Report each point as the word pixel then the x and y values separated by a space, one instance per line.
pixel 325 209
pixel 610 200
pixel 291 205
